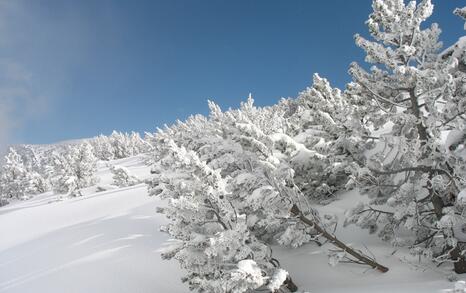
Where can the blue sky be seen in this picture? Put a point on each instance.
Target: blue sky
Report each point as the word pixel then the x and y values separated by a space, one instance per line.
pixel 73 69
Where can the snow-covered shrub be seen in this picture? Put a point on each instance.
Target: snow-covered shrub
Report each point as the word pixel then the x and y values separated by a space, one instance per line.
pixel 37 183
pixel 119 145
pixel 31 159
pixel 229 199
pixel 74 169
pixel 413 97
pixel 14 180
pixel 126 145
pixel 122 177
pixel 102 148
pixel 3 201
pixel 229 181
pixel 325 121
pixel 213 238
pixel 20 180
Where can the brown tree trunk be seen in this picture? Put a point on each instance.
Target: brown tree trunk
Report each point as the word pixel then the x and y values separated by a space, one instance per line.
pixel 455 254
pixel 416 111
pixel 459 260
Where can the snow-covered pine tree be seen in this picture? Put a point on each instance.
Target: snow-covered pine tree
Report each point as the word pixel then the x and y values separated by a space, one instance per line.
pixel 138 144
pixel 126 145
pixel 122 177
pixel 226 178
pixel 214 241
pixel 75 169
pixel 30 158
pixel 36 170
pixel 324 120
pixel 412 101
pixel 455 143
pixel 63 182
pixel 120 145
pixel 102 147
pixel 14 181
pixel 36 183
pixel 208 200
pixel 84 165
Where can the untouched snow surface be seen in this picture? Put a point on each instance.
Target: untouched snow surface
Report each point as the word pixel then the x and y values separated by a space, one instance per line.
pixel 109 242
pixel 101 242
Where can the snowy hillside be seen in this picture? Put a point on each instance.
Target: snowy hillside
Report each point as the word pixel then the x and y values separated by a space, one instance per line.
pixel 109 242
pixel 101 242
pixel 355 190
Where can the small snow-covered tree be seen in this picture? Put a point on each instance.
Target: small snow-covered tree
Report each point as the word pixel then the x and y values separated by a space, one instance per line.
pixel 138 144
pixel 325 121
pixel 122 177
pixel 213 238
pixel 102 147
pixel 119 145
pixel 63 181
pixel 124 145
pixel 14 177
pixel 75 169
pixel 84 165
pixel 30 157
pixel 36 183
pixel 412 101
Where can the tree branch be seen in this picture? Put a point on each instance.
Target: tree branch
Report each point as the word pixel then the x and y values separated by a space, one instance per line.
pixel 335 241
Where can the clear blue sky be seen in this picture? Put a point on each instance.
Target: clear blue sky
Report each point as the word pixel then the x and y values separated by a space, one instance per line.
pixel 72 69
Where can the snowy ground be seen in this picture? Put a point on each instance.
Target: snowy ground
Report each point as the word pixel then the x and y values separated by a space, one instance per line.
pixel 309 267
pixel 109 242
pixel 102 242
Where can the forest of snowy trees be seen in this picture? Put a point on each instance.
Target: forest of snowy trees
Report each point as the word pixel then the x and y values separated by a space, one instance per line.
pixel 241 181
pixel 66 169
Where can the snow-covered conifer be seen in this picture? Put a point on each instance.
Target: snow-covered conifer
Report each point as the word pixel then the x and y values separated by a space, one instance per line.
pixel 122 177
pixel 102 147
pixel 325 121
pixel 74 169
pixel 37 183
pixel 230 188
pixel 213 237
pixel 14 181
pixel 121 145
pixel 412 100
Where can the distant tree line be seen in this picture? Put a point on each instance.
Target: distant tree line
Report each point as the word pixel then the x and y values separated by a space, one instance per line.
pixel 66 169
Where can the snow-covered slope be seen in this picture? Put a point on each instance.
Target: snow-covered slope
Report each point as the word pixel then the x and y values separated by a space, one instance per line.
pixel 102 242
pixel 109 242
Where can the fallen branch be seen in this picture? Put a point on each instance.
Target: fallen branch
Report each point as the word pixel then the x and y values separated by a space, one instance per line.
pixel 362 258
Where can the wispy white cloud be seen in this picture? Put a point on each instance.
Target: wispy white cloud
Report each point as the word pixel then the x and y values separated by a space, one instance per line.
pixel 21 100
pixel 44 46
